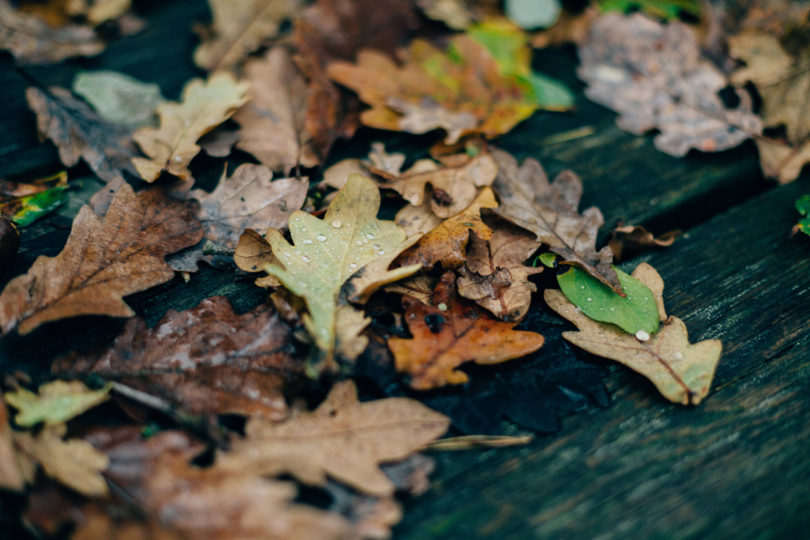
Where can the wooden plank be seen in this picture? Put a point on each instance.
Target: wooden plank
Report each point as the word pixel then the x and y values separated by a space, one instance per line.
pixel 736 466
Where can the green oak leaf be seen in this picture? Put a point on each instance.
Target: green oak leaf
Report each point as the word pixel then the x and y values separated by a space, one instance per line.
pixel 803 207
pixel 663 9
pixel 336 260
pixel 30 208
pixel 56 402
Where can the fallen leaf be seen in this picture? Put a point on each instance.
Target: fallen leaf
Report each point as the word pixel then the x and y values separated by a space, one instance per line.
pixel 569 28
pixel 23 203
pixel 11 477
pixel 454 13
pixel 206 360
pixel 462 91
pixel 172 146
pixel 249 198
pixel 55 403
pixel 99 11
pixel 803 207
pixel 341 258
pixel 105 258
pixel 32 41
pixel 119 98
pixel 549 210
pixel 450 333
pixel 654 77
pixel 252 254
pixel 494 275
pixel 682 372
pixel 78 132
pixel 627 241
pixel 240 27
pixel 342 438
pixel 660 9
pixel 274 121
pixel 783 82
pixel 445 243
pixel 378 163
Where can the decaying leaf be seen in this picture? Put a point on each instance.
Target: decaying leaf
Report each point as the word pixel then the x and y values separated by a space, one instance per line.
pixel 32 41
pixel 783 82
pixel 462 91
pixel 252 254
pixel 549 210
pixel 803 207
pixel 343 257
pixel 78 132
pixel 207 360
pixel 105 258
pixel 119 98
pixel 249 198
pixel 274 121
pixel 445 242
pixel 239 28
pixel 626 241
pixel 23 203
pixel 342 438
pixel 379 163
pixel 172 146
pixel 448 333
pixel 494 275
pixel 682 372
pixel 654 77
pixel 55 403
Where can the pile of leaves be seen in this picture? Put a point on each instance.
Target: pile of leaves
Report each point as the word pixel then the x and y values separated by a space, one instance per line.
pixel 418 281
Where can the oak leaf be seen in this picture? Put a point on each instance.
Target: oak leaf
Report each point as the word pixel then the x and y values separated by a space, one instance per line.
pixel 274 121
pixel 342 438
pixel 55 403
pixel 682 372
pixel 549 210
pixel 240 27
pixel 119 98
pixel 32 41
pixel 78 132
pixel 626 241
pixel 206 360
pixel 23 203
pixel 654 77
pixel 495 275
pixel 172 145
pixel 449 333
pixel 343 257
pixel 462 91
pixel 105 258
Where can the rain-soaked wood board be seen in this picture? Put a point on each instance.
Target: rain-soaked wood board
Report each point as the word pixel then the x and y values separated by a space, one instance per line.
pixel 736 466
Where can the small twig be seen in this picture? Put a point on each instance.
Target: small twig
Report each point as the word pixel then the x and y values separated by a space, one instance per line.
pixel 471 442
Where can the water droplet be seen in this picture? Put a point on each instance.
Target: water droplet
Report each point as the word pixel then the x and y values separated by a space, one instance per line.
pixel 352 266
pixel 305 258
pixel 320 238
pixel 307 241
pixel 381 252
pixel 641 335
pixel 336 224
pixel 303 229
pixel 613 309
pixel 589 299
pixel 359 243
pixel 178 159
pixel 370 236
pixel 678 355
pixel 582 286
pixel 442 306
pixel 601 309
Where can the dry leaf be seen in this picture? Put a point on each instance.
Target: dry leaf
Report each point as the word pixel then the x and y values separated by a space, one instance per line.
pixel 273 122
pixel 549 210
pixel 378 163
pixel 32 41
pixel 445 243
pixel 628 241
pixel 450 333
pixel 240 27
pixel 104 259
pixel 172 146
pixel 78 132
pixel 682 372
pixel 654 77
pixel 11 477
pixel 55 402
pixel 207 360
pixel 252 254
pixel 495 276
pixel 462 94
pixel 342 438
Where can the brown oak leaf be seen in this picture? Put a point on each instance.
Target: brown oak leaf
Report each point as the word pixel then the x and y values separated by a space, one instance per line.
pixel 627 241
pixel 106 257
pixel 78 132
pixel 207 360
pixel 342 438
pixel 451 332
pixel 549 210
pixel 495 276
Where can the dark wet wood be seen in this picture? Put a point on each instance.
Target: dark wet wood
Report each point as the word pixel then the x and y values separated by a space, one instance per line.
pixel 735 466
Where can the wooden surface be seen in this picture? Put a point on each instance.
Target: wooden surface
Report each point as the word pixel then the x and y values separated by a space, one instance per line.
pixel 737 466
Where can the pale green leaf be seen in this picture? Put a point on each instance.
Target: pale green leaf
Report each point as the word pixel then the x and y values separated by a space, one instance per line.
pixel 56 402
pixel 119 98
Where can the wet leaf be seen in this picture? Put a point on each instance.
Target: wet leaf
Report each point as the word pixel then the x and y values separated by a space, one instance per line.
pixel 343 439
pixel 32 41
pixel 654 77
pixel 549 210
pixel 119 98
pixel 56 402
pixel 172 145
pixel 105 258
pixel 240 27
pixel 682 372
pixel 803 207
pixel 78 132
pixel 449 333
pixel 206 360
pixel 662 9
pixel 461 91
pixel 25 210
